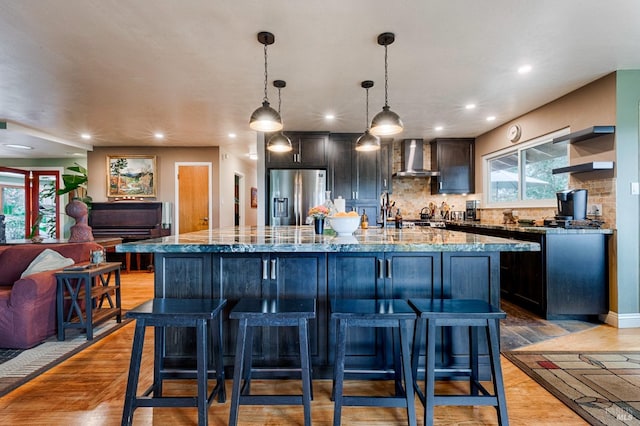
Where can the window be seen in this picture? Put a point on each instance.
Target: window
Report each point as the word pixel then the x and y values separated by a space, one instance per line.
pixel 521 175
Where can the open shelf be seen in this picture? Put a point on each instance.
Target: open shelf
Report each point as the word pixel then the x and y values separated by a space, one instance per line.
pixel 586 167
pixel 583 135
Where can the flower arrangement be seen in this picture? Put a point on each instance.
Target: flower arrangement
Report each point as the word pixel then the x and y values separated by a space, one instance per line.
pixel 319 212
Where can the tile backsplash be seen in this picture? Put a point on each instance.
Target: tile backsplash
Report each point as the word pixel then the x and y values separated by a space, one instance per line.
pixel 411 194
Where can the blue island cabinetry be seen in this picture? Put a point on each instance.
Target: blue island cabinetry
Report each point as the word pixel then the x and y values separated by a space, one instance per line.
pixel 290 262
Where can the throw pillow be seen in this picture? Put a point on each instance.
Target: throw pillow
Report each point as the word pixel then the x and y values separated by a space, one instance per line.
pixel 47 260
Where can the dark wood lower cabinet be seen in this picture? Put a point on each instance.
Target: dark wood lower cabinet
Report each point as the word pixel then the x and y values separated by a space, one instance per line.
pixel 323 276
pixel 567 278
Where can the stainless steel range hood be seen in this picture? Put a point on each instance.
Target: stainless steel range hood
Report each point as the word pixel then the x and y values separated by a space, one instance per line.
pixel 413 160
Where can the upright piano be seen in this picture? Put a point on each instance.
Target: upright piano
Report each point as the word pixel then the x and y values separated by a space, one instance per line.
pixel 131 221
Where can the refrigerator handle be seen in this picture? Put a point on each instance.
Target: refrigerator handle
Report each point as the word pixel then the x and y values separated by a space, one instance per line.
pixel 273 269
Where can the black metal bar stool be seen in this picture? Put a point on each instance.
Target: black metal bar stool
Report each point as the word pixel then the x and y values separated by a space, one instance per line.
pixel 161 313
pixel 388 313
pixel 252 313
pixel 470 313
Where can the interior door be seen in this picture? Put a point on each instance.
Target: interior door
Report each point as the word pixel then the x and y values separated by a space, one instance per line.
pixel 193 206
pixel 29 202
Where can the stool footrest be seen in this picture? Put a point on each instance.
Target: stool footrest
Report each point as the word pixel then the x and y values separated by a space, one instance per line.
pixel 271 399
pixel 374 401
pixel 466 400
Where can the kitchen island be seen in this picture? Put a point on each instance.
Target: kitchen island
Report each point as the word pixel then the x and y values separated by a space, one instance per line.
pixel 567 278
pixel 290 262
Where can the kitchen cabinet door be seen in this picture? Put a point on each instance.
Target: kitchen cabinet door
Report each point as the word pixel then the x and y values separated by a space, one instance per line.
pixel 386 165
pixel 357 276
pixel 296 276
pixel 354 176
pixel 454 159
pixel 236 276
pixel 309 151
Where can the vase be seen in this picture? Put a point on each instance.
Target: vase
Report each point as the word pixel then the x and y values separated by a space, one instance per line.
pixel 318 224
pixel 80 232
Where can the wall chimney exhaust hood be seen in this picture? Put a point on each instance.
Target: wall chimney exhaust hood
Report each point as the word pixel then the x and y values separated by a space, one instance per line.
pixel 413 160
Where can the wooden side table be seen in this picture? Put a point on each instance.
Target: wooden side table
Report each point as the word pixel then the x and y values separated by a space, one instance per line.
pixel 96 286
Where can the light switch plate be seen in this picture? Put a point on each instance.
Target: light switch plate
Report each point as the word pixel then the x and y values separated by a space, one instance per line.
pixel 595 210
pixel 635 188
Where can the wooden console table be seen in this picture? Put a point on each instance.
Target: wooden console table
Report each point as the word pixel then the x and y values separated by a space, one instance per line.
pixel 94 285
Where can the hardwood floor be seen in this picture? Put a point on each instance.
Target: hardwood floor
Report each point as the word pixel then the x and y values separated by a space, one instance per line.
pixel 88 389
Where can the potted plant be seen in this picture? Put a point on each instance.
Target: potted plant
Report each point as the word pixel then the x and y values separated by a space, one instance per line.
pixel 75 184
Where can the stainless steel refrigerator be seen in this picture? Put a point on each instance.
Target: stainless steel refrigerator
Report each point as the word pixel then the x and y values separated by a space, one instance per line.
pixel 292 192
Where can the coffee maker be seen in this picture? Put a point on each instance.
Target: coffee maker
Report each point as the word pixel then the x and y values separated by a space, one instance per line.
pixel 572 204
pixel 472 210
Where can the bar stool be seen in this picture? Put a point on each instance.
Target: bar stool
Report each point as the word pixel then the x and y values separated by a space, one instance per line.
pixel 474 314
pixel 161 313
pixel 270 313
pixel 387 313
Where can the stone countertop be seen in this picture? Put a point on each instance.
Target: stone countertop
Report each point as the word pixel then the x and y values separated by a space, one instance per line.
pixel 287 239
pixel 531 229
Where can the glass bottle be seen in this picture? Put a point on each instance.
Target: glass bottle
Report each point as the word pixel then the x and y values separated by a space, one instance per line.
pixel 398 219
pixel 364 220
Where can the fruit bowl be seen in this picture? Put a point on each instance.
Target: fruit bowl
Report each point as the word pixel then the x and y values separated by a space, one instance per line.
pixel 344 225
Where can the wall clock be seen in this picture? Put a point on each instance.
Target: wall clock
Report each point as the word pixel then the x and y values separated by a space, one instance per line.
pixel 514 133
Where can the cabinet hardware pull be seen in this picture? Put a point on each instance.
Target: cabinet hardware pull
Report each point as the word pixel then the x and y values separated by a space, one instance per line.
pixel 440 185
pixel 265 275
pixel 388 268
pixel 356 195
pixel 384 183
pixel 380 267
pixel 273 269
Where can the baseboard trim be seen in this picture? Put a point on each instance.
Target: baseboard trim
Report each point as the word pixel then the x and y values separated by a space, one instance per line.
pixel 621 320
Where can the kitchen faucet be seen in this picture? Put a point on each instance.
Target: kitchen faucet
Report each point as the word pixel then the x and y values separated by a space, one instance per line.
pixel 384 208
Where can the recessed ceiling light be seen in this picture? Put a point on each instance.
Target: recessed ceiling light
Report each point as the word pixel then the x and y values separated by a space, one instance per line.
pixel 15 146
pixel 232 135
pixel 470 106
pixel 330 116
pixel 85 136
pixel 524 69
pixel 158 135
pixel 438 128
pixel 491 118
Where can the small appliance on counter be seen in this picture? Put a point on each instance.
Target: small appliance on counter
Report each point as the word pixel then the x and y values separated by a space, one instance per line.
pixel 473 210
pixel 572 211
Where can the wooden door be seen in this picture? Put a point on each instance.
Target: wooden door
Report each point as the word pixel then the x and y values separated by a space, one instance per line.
pixel 193 197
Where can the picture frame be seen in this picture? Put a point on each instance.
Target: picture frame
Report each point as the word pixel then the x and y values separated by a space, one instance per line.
pixel 254 198
pixel 131 176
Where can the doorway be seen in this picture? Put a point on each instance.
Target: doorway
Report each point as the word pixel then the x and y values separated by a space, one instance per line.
pixel 238 199
pixel 29 203
pixel 193 201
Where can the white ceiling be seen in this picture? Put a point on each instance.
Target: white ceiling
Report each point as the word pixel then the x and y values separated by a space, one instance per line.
pixel 193 69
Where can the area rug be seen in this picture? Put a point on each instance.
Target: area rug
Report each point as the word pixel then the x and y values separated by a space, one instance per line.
pixel 602 387
pixel 27 364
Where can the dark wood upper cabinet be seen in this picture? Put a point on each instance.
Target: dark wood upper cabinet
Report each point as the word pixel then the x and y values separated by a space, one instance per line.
pixel 454 159
pixel 309 150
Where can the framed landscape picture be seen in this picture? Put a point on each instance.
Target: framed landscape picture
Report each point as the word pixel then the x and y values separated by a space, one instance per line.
pixel 131 176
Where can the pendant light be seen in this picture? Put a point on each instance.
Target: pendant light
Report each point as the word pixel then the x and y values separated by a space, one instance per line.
pixel 386 122
pixel 367 142
pixel 265 118
pixel 279 142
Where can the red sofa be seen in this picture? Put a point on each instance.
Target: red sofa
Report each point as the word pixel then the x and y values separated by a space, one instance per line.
pixel 28 305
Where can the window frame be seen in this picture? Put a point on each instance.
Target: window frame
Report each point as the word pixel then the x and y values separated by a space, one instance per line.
pixel 520 203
